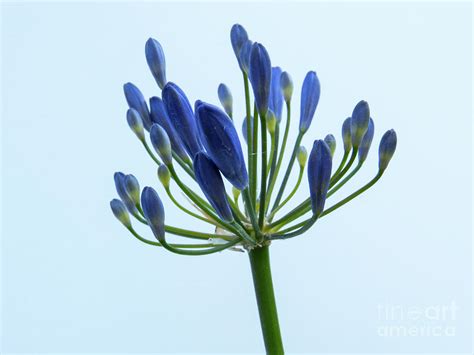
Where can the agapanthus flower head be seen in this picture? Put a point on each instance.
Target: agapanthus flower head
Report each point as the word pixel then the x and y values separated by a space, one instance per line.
pixel 154 212
pixel 260 75
pixel 310 93
pixel 136 100
pixel 319 175
pixel 161 143
pixel 225 97
pixel 135 123
pixel 276 94
pixel 182 117
pixel 346 135
pixel 366 141
pixel 331 142
pixel 209 179
pixel 359 122
pixel 286 84
pixel 119 179
pixel 164 175
pixel 238 36
pixel 132 187
pixel 160 116
pixel 155 58
pixel 120 212
pixel 387 147
pixel 222 144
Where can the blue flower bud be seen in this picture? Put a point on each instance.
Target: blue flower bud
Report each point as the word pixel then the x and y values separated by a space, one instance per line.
pixel 119 179
pixel 346 135
pixel 238 36
pixel 164 175
pixel 309 100
pixel 154 212
pixel 136 101
pixel 271 122
pixel 244 56
pixel 366 141
pixel 359 122
pixel 331 142
pixel 120 212
pixel 182 117
pixel 225 97
pixel 135 123
pixel 387 147
pixel 276 94
pixel 155 58
pixel 209 179
pixel 286 84
pixel 260 75
pixel 132 187
pixel 302 156
pixel 244 128
pixel 160 116
pixel 319 175
pixel 221 141
pixel 161 142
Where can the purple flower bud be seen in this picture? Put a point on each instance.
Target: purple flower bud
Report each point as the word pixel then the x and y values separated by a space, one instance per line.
pixel 366 141
pixel 154 212
pixel 225 97
pixel 260 75
pixel 161 142
pixel 164 175
pixel 136 101
pixel 238 36
pixel 331 142
pixel 221 141
pixel 359 122
pixel 276 94
pixel 160 116
pixel 119 179
pixel 135 123
pixel 346 135
pixel 182 118
pixel 209 179
pixel 319 175
pixel 309 100
pixel 132 187
pixel 387 147
pixel 244 56
pixel 120 212
pixel 155 58
pixel 286 84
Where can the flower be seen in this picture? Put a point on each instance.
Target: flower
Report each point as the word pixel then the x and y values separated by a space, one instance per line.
pixel 276 94
pixel 319 175
pixel 154 212
pixel 135 123
pixel 225 97
pixel 331 142
pixel 271 122
pixel 387 147
pixel 244 128
pixel 161 143
pixel 238 36
pixel 132 188
pixel 309 100
pixel 120 212
pixel 182 117
pixel 136 101
pixel 209 179
pixel 155 58
pixel 244 56
pixel 222 144
pixel 119 179
pixel 160 116
pixel 260 74
pixel 302 156
pixel 164 175
pixel 366 141
pixel 286 84
pixel 346 135
pixel 359 122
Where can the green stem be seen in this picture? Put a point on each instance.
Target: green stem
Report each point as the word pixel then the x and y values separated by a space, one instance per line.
pixel 250 209
pixel 263 177
pixel 338 177
pixel 253 168
pixel 262 280
pixel 185 210
pixel 249 125
pixel 158 244
pixel 292 193
pixel 150 153
pixel 346 179
pixel 341 165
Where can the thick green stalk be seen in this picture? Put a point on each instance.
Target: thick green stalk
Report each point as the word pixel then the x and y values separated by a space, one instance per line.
pixel 263 177
pixel 262 280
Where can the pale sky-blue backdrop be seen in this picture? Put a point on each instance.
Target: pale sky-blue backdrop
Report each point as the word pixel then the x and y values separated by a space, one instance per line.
pixel 73 280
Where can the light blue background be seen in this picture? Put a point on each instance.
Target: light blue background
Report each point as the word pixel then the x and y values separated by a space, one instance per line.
pixel 73 280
